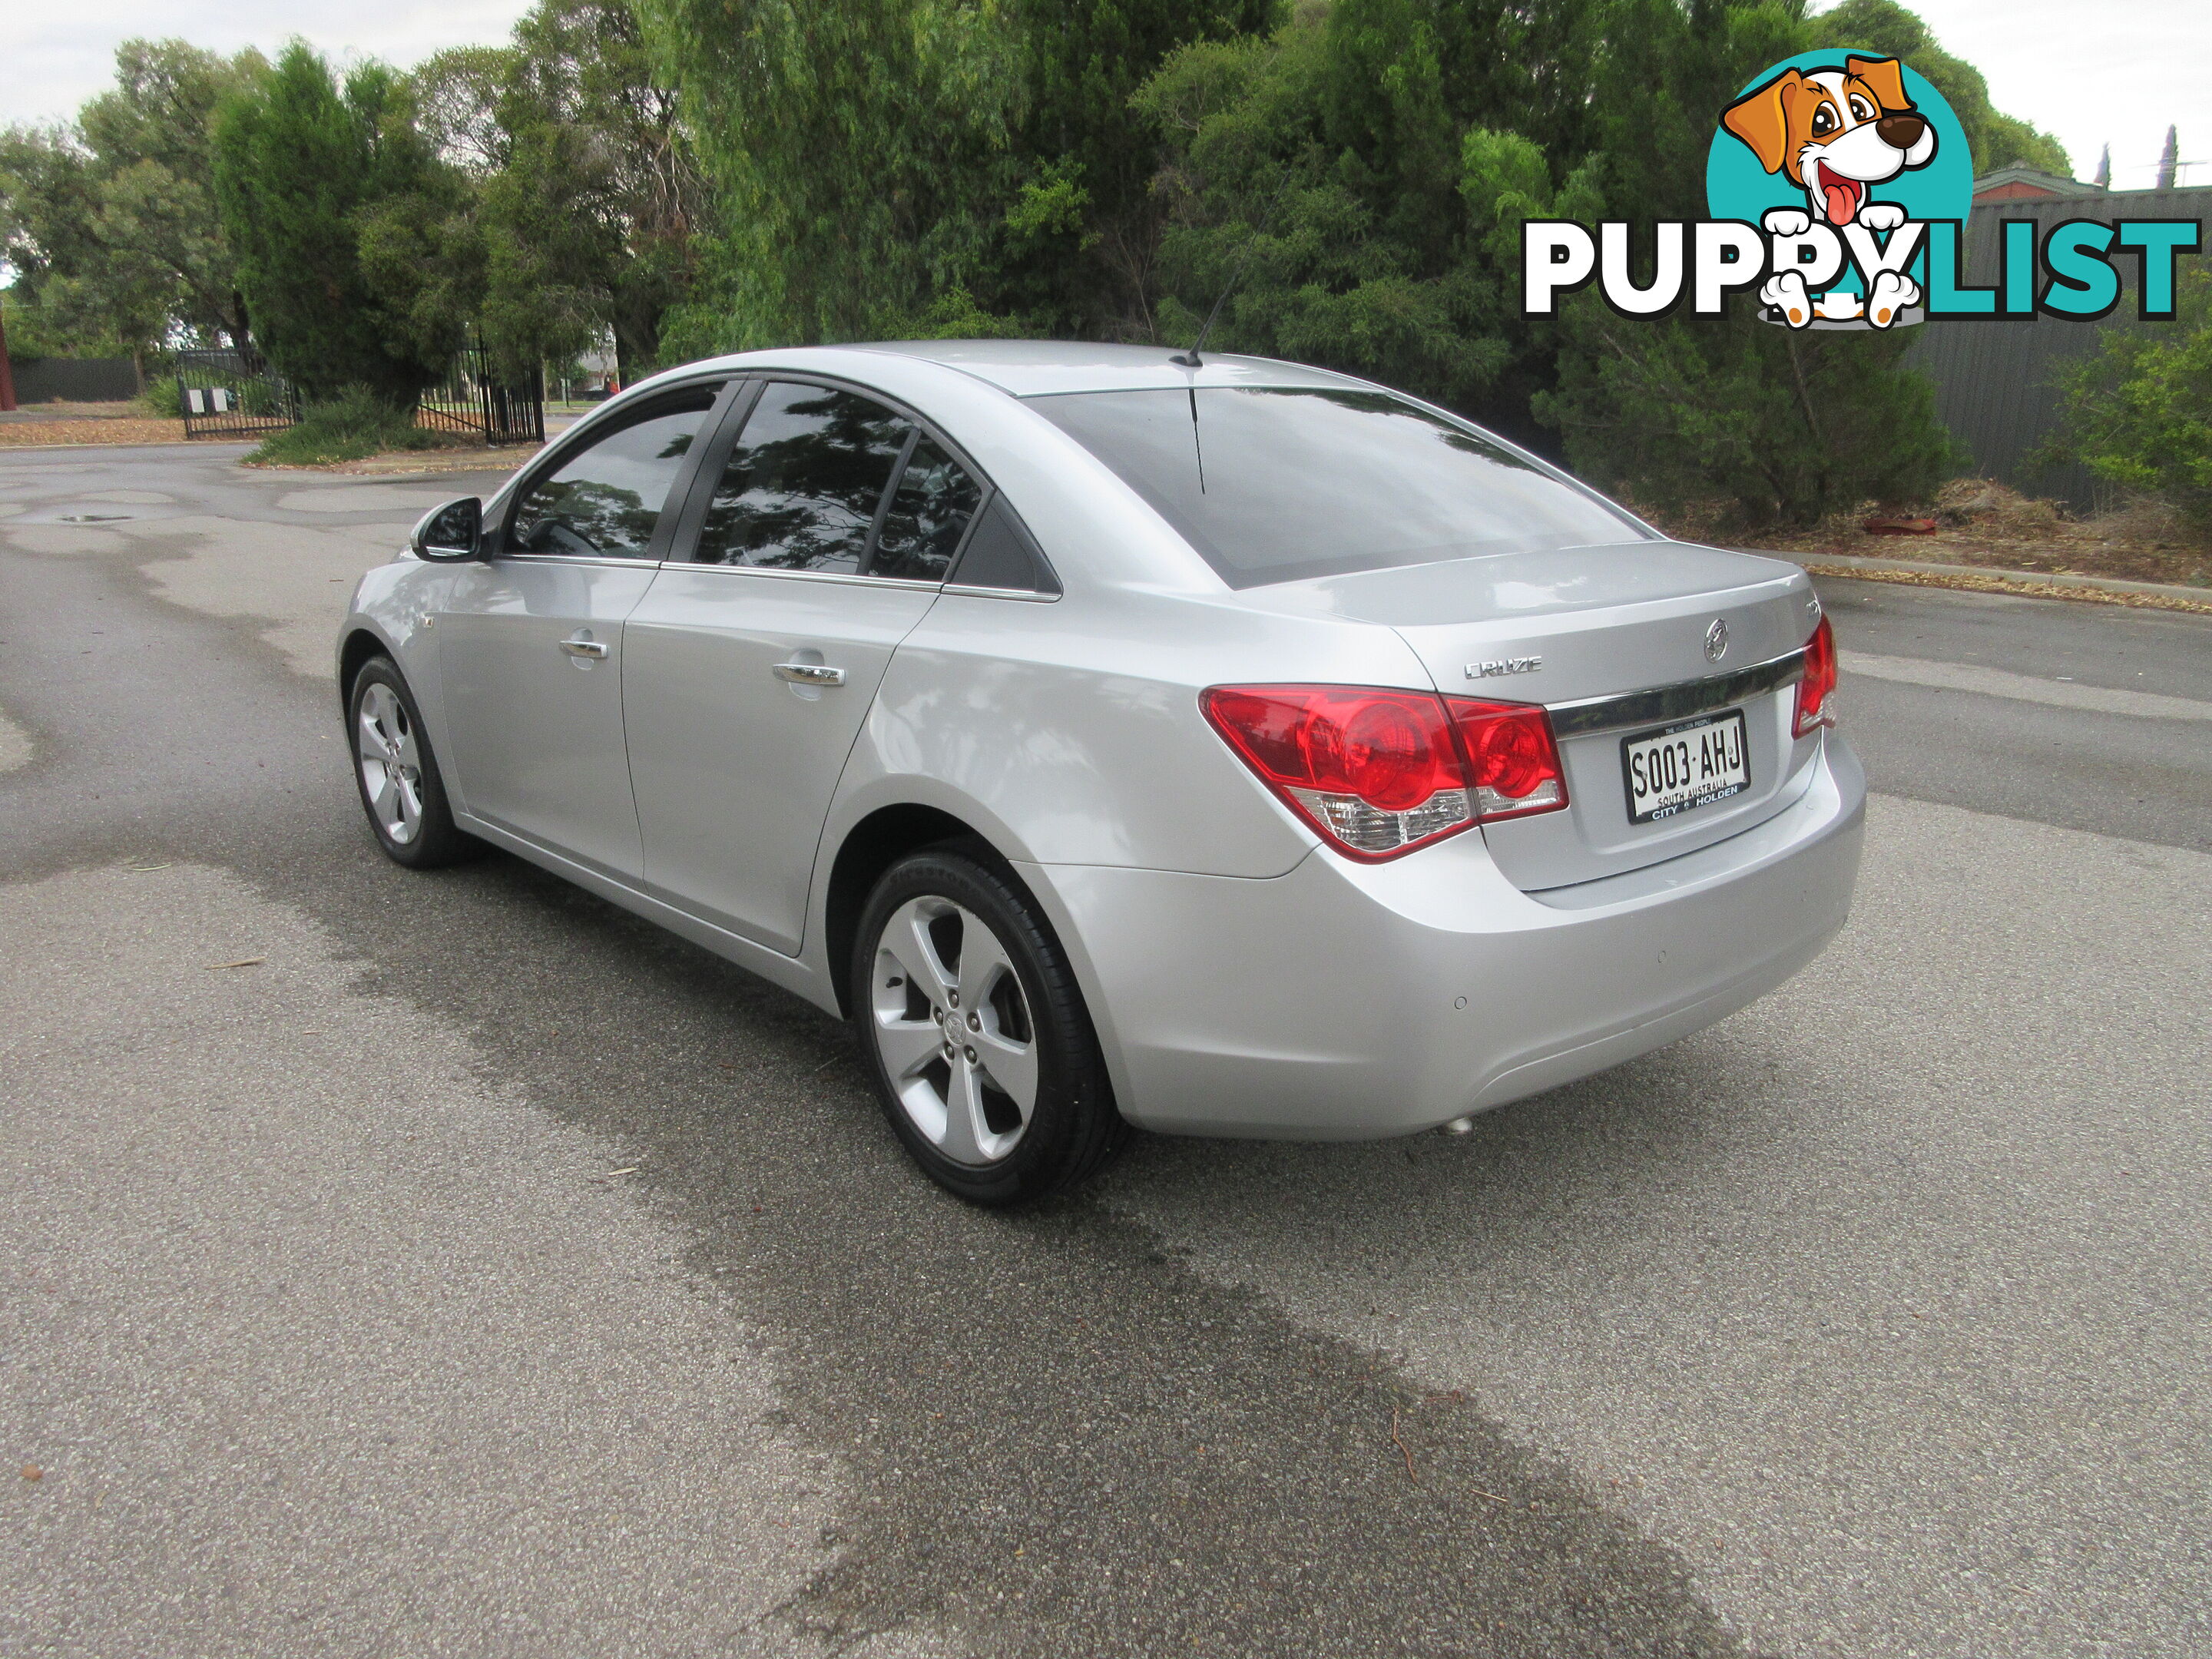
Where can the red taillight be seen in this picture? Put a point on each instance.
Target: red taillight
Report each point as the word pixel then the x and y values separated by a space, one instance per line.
pixel 1381 772
pixel 1510 757
pixel 1816 706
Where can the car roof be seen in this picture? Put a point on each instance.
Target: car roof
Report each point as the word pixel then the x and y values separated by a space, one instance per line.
pixel 1034 368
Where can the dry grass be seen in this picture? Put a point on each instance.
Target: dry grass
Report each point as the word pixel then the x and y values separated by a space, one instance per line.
pixel 98 429
pixel 1981 522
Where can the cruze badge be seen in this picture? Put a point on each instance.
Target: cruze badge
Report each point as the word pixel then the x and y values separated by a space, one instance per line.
pixel 1716 640
pixel 1497 665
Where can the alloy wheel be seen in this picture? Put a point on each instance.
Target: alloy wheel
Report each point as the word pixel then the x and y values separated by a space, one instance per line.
pixel 953 1027
pixel 391 764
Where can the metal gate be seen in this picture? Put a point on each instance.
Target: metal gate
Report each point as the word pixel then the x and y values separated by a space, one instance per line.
pixel 233 394
pixel 475 400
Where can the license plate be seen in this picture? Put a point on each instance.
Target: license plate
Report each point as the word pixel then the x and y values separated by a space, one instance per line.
pixel 1686 766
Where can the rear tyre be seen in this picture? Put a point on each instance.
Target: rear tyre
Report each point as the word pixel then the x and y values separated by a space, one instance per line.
pixel 976 1035
pixel 396 773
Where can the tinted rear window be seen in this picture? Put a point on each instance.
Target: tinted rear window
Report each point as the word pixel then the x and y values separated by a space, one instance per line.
pixel 1280 484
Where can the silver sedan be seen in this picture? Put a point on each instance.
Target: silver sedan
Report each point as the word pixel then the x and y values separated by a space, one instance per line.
pixel 1230 748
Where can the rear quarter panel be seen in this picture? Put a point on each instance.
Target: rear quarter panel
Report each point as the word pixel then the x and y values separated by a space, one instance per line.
pixel 1069 732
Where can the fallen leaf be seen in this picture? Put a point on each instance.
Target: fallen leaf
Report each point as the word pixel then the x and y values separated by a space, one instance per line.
pixel 243 962
pixel 32 1471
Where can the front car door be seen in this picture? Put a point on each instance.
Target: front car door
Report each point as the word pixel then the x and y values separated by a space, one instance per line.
pixel 530 647
pixel 750 668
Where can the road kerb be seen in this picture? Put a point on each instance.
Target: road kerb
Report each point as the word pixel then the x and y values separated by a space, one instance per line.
pixel 2094 590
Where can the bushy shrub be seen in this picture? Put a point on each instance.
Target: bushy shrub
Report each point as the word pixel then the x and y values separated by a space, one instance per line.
pixel 351 426
pixel 2138 413
pixel 1791 425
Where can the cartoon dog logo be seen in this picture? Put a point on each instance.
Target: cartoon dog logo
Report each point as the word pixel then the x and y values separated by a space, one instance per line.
pixel 1836 133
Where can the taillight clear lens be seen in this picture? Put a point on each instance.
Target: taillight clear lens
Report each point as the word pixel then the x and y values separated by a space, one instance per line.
pixel 1816 702
pixel 1511 759
pixel 1381 772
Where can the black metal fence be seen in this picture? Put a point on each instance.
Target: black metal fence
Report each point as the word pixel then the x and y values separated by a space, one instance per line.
pixel 477 400
pixel 233 394
pixel 236 394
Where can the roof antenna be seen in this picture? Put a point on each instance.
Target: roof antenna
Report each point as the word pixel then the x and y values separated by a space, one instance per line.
pixel 1191 359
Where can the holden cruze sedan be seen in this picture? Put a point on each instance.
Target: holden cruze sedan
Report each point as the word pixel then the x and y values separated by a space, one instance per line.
pixel 1229 748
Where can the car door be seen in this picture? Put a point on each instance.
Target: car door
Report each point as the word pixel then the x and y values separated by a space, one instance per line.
pixel 749 669
pixel 530 643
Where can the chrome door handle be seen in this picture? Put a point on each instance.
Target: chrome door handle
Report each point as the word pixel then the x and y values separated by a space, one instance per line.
pixel 810 673
pixel 578 645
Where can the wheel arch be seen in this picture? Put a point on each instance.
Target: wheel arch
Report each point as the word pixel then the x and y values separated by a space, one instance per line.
pixel 870 847
pixel 359 645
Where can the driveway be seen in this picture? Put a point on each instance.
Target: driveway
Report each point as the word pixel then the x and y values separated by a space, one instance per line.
pixel 455 1264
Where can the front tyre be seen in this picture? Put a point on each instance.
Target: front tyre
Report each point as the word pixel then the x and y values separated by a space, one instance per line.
pixel 975 1034
pixel 398 775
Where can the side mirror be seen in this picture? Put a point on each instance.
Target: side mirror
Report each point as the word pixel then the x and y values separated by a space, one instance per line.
pixel 450 533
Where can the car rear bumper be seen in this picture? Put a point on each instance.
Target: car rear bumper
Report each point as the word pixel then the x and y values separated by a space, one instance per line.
pixel 1347 1001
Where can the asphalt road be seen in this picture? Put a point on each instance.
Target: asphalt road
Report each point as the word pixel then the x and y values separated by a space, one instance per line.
pixel 476 1270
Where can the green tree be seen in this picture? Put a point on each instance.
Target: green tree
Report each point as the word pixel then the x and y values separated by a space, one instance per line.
pixel 1329 210
pixel 86 297
pixel 1377 159
pixel 861 152
pixel 873 158
pixel 1078 248
pixel 356 246
pixel 596 204
pixel 111 222
pixel 456 93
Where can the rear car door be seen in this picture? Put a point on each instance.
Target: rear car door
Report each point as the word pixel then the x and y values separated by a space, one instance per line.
pixel 530 644
pixel 821 542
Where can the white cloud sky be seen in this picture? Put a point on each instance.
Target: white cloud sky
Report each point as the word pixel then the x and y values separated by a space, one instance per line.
pixel 2091 74
pixel 58 54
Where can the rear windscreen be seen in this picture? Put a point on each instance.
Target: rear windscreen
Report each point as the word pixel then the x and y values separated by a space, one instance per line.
pixel 1277 484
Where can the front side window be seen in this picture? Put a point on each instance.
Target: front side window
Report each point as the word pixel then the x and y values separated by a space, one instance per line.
pixel 928 514
pixel 1279 484
pixel 605 500
pixel 803 485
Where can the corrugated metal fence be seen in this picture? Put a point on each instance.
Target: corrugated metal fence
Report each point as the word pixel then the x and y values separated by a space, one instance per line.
pixel 1996 383
pixel 75 379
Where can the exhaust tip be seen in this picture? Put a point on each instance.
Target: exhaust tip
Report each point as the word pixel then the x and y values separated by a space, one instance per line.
pixel 1460 1126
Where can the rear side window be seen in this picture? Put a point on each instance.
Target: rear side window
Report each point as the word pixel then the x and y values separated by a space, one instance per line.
pixel 803 485
pixel 928 515
pixel 1278 484
pixel 606 499
pixel 1001 555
